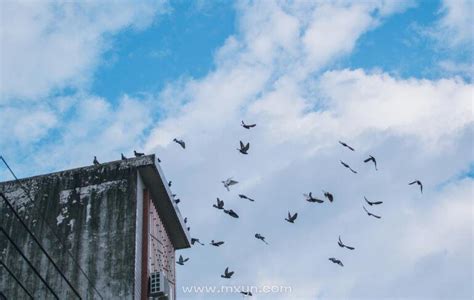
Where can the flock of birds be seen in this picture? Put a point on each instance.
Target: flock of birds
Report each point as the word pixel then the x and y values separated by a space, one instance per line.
pixel 290 218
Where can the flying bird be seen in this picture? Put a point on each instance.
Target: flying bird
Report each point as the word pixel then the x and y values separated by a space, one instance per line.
pixel 217 244
pixel 123 157
pixel 347 146
pixel 227 274
pixel 177 201
pixel 372 203
pixel 138 154
pixel 245 197
pixel 291 218
pixel 341 244
pixel 309 197
pixel 220 204
pixel 244 148
pixel 329 196
pixel 260 237
pixel 248 126
pixel 371 158
pixel 231 213
pixel 347 166
pixel 180 142
pixel 419 183
pixel 181 261
pixel 228 182
pixel 336 261
pixel 96 162
pixel 371 214
pixel 246 293
pixel 193 240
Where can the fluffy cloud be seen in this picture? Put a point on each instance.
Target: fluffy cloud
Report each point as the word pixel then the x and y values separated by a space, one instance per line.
pixel 272 74
pixel 50 45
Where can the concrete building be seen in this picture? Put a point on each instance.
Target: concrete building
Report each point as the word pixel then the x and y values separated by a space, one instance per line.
pixel 111 230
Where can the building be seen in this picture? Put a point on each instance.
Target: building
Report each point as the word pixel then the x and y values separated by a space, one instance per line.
pixel 111 230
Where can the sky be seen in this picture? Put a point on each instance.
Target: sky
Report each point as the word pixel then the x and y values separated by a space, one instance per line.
pixel 393 79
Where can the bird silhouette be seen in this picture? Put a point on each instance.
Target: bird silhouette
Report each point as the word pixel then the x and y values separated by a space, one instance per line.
pixel 329 196
pixel 244 148
pixel 245 197
pixel 419 183
pixel 220 204
pixel 347 146
pixel 291 218
pixel 193 241
pixel 177 201
pixel 123 157
pixel 246 293
pixel 341 244
pixel 96 162
pixel 138 154
pixel 181 261
pixel 180 142
pixel 372 203
pixel 217 244
pixel 309 197
pixel 260 237
pixel 228 182
pixel 371 158
pixel 231 213
pixel 336 261
pixel 227 274
pixel 169 183
pixel 348 167
pixel 371 214
pixel 248 126
pixel 185 220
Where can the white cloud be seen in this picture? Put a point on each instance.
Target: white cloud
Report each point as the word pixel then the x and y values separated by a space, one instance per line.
pixel 48 45
pixel 455 26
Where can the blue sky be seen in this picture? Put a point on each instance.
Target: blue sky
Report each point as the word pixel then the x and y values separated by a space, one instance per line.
pixel 393 79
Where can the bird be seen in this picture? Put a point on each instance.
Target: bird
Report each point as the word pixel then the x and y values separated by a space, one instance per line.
pixel 138 154
pixel 260 237
pixel 217 244
pixel 371 158
pixel 336 261
pixel 419 183
pixel 248 126
pixel 193 240
pixel 244 148
pixel 341 244
pixel 246 293
pixel 245 197
pixel 228 182
pixel 329 196
pixel 185 220
pixel 372 203
pixel 309 197
pixel 96 162
pixel 180 142
pixel 371 214
pixel 231 213
pixel 123 157
pixel 291 218
pixel 220 204
pixel 181 261
pixel 346 145
pixel 227 274
pixel 169 183
pixel 177 201
pixel 347 166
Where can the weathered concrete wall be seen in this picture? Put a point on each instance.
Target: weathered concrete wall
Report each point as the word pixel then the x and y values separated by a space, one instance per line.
pixel 93 211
